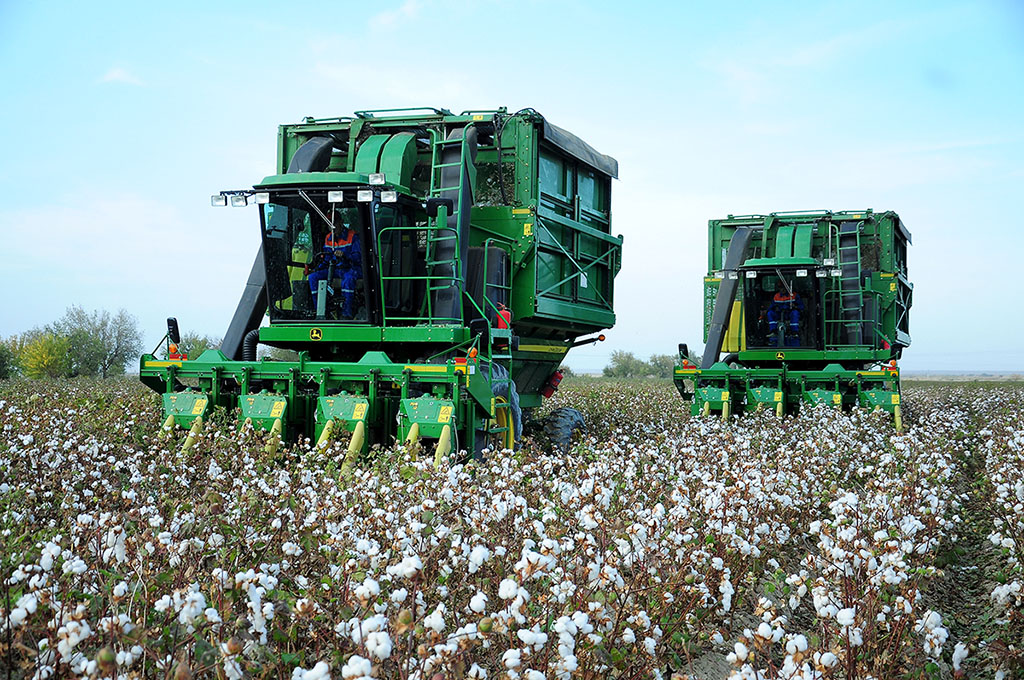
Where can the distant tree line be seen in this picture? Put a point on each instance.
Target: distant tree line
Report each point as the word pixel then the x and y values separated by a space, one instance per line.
pixel 627 365
pixel 80 343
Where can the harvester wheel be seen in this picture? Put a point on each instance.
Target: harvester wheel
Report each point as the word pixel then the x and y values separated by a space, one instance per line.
pixel 562 425
pixel 513 414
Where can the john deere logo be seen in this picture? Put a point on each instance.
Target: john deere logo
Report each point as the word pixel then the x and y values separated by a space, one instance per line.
pixel 780 355
pixel 316 334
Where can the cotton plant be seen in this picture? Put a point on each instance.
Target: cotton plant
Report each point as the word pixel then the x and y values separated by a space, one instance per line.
pixel 792 548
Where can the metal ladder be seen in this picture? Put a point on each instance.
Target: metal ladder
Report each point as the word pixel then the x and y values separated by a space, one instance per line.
pixel 851 298
pixel 447 237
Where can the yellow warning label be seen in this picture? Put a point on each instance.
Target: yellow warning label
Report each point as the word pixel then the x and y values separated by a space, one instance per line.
pixel 478 117
pixel 521 211
pixel 528 229
pixel 778 396
pixel 780 355
pixel 278 409
pixel 892 286
pixel 359 412
pixel 837 399
pixel 445 415
pixel 725 396
pixel 197 409
pixel 895 398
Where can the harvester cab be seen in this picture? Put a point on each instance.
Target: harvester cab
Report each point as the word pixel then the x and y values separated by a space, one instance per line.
pixel 430 270
pixel 802 308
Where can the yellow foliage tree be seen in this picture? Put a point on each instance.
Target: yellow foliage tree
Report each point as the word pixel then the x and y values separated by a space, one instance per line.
pixel 45 356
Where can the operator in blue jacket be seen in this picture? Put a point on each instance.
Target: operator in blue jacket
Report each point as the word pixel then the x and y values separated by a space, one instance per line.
pixel 341 259
pixel 785 308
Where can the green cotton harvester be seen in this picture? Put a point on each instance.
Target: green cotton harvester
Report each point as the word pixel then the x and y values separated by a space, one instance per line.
pixel 429 272
pixel 802 308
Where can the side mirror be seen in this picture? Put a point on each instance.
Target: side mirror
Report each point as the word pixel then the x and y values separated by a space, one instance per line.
pixel 172 330
pixel 684 352
pixel 434 204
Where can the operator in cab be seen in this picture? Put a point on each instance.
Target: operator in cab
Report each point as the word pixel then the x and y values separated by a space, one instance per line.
pixel 784 314
pixel 340 265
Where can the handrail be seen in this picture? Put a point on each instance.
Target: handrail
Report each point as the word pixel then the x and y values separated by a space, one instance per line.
pixel 862 320
pixel 429 278
pixel 369 113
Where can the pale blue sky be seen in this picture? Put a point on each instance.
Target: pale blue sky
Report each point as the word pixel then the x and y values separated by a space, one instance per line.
pixel 120 122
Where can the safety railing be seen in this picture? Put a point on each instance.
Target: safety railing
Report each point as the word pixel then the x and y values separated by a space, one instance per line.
pixel 836 325
pixel 430 281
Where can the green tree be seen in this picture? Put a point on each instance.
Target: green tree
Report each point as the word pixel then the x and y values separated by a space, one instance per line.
pixel 194 344
pixel 99 343
pixel 626 365
pixel 8 362
pixel 662 365
pixel 46 356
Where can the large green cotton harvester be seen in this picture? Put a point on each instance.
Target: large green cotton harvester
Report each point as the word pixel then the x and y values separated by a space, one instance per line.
pixel 430 271
pixel 802 308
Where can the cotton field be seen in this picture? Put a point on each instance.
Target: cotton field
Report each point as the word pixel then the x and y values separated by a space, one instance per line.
pixel 660 546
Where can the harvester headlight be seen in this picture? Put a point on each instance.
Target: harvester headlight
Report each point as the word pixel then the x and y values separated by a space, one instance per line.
pixel 751 274
pixel 261 198
pixel 829 262
pixel 801 272
pixel 377 178
pixel 719 275
pixel 389 197
pixel 364 195
pixel 820 273
pixel 836 273
pixel 734 275
pixel 239 200
pixel 335 196
pixel 218 200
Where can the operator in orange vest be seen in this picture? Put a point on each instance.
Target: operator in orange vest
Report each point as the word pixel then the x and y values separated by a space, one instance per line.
pixel 786 308
pixel 341 258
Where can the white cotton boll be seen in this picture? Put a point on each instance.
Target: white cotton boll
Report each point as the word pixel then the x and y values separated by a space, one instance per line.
pixel 511 658
pixel 507 589
pixel 379 645
pixel 477 673
pixel 959 654
pixel 717 638
pixel 477 556
pixel 356 667
pixel 527 636
pixel 764 630
pixel 212 615
pixel 797 644
pixel 628 637
pixel 650 644
pixel 827 660
pixel 435 620
pixel 930 621
pixel 321 671
pixel 846 617
pixel 368 590
pixel 399 595
pixel 121 589
pixel 741 651
pixel 478 603
pixel 531 674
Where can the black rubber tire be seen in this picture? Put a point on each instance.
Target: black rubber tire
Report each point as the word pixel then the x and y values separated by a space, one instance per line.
pixel 561 425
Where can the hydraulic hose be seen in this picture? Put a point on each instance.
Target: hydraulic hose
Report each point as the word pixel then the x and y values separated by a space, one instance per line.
pixel 252 338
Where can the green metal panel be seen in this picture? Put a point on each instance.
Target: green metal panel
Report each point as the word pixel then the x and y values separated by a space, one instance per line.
pixel 263 409
pixel 784 242
pixel 398 159
pixel 186 406
pixel 368 156
pixel 431 414
pixel 802 240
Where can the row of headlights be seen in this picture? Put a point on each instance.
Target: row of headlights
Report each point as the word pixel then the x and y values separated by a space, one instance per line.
pixel 819 273
pixel 240 199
